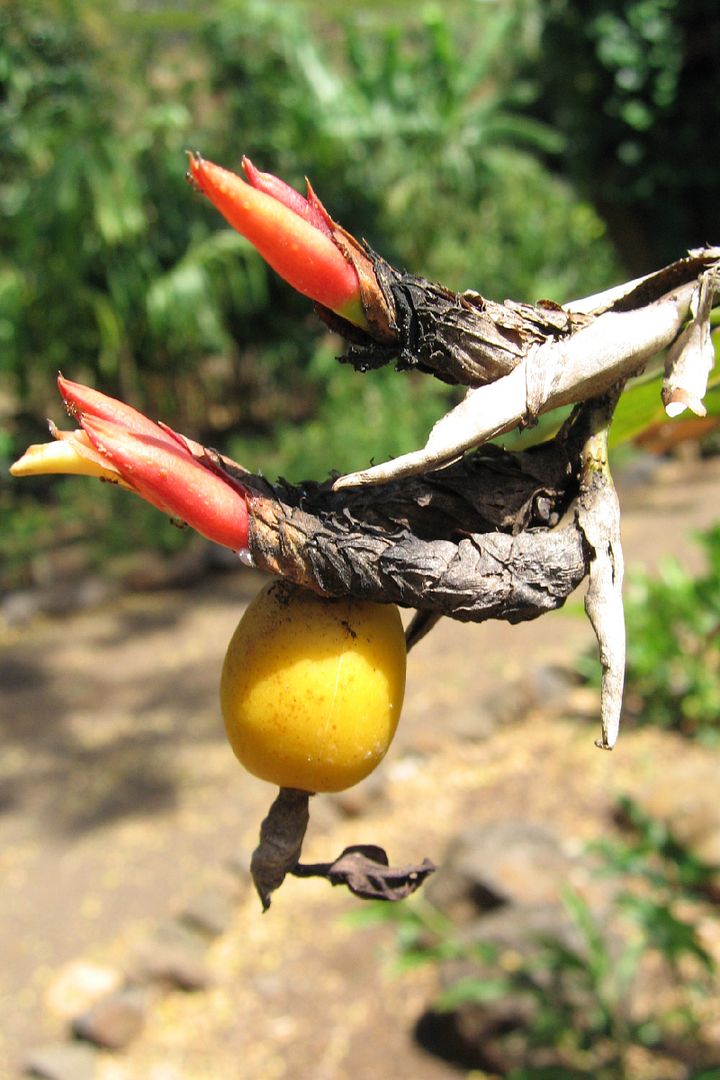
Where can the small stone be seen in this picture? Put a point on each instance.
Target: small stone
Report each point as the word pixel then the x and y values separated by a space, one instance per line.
pixel 681 794
pixel 62 1061
pixel 474 724
pixel 173 957
pixel 510 704
pixel 209 912
pixel 113 1022
pixel 518 929
pixel 78 985
pixel 551 685
pixel 19 607
pixel 542 689
pixel 149 571
pixel 503 862
pixel 94 591
pixel 76 594
pixel 61 562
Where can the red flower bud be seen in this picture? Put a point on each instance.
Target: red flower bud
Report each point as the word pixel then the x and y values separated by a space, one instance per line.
pixel 310 208
pixel 167 476
pixel 84 401
pixel 293 234
pixel 170 472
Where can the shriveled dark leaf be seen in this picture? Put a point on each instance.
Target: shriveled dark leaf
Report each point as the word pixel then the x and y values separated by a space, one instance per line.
pixel 481 539
pixel 460 338
pixel 366 871
pixel 281 837
pixel 467 339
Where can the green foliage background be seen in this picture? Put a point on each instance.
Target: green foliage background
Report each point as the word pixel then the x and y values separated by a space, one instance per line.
pixel 424 129
pixel 637 96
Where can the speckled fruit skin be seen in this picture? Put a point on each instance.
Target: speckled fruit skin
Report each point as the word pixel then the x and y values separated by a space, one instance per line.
pixel 312 688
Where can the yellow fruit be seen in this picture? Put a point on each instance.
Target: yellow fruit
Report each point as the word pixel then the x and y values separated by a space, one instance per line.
pixel 312 688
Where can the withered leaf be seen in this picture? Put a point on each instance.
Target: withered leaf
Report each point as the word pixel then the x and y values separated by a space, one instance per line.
pixel 366 871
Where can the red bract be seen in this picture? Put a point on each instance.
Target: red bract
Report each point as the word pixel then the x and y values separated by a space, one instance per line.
pixel 309 208
pixel 84 401
pixel 293 234
pixel 119 443
pixel 166 475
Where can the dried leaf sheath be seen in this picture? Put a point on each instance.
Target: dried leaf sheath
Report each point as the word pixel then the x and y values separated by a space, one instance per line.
pixel 460 338
pixel 482 576
pixel 468 339
pixel 281 839
pixel 474 541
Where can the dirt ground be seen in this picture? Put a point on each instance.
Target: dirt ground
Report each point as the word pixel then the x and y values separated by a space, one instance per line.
pixel 119 800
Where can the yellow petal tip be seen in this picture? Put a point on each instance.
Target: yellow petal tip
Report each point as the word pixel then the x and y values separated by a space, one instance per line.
pixel 57 457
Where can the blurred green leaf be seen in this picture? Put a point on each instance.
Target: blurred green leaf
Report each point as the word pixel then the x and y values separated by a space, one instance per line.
pixel 473 991
pixel 673 658
pixel 674 938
